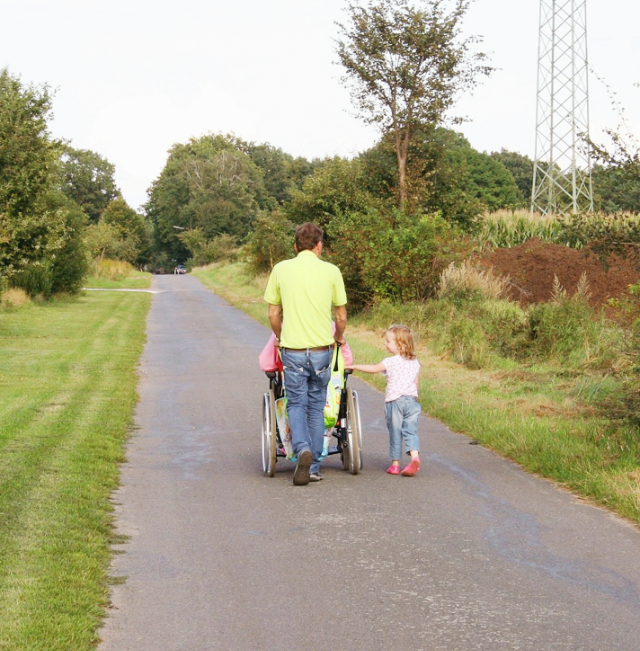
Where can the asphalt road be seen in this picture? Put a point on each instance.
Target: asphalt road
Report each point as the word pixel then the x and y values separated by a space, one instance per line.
pixel 472 554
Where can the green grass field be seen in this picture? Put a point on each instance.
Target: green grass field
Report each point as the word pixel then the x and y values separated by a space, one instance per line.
pixel 67 393
pixel 539 415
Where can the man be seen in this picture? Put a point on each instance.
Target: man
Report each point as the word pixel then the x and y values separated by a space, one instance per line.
pixel 303 296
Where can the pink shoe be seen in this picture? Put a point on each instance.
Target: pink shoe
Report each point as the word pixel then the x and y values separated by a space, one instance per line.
pixel 412 468
pixel 393 470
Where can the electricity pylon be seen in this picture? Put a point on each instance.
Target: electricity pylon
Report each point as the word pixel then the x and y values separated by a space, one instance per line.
pixel 562 168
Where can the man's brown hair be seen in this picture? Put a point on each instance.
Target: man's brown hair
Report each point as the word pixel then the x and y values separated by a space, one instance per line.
pixel 307 236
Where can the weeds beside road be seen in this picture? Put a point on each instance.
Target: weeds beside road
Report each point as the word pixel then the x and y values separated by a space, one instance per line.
pixel 538 413
pixel 67 393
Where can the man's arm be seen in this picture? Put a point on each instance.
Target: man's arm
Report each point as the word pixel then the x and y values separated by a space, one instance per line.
pixel 275 319
pixel 340 312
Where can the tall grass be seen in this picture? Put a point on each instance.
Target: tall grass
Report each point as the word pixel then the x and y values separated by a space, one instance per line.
pixel 116 274
pixel 111 269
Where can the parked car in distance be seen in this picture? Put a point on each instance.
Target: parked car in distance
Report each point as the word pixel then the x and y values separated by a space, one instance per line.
pixel 180 269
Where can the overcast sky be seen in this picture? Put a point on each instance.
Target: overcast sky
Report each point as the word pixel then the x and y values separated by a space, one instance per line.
pixel 133 77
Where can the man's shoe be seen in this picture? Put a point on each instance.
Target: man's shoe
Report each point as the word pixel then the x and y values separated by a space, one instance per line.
pixel 315 476
pixel 301 475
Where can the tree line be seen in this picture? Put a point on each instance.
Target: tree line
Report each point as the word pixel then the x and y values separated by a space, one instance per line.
pixel 391 215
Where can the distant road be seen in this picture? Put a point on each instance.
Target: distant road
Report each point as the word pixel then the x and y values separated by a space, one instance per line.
pixel 472 554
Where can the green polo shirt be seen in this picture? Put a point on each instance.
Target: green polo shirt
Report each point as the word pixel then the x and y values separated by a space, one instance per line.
pixel 308 289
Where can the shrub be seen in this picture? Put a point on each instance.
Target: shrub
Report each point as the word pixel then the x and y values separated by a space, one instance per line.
pixel 14 297
pixel 569 328
pixel 391 256
pixel 36 279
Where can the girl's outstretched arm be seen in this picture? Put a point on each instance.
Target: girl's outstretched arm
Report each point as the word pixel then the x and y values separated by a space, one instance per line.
pixel 367 368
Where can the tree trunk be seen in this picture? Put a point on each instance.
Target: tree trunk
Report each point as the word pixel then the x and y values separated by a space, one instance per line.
pixel 402 151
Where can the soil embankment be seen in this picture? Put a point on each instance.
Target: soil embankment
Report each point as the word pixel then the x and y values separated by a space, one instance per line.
pixel 533 265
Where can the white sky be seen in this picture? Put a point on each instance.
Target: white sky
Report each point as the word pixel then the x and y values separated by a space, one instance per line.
pixel 135 77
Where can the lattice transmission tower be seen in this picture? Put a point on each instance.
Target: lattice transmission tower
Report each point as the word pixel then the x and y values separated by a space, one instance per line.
pixel 562 168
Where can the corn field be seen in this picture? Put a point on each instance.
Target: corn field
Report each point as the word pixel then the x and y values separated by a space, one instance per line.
pixel 505 229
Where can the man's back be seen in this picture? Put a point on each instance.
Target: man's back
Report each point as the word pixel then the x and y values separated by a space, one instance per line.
pixel 308 289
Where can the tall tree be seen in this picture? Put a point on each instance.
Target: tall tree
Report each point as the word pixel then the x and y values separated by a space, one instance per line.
pixel 208 184
pixel 405 67
pixel 39 229
pixel 88 179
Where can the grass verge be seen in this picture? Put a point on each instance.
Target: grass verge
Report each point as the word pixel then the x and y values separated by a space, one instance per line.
pixel 68 389
pixel 538 415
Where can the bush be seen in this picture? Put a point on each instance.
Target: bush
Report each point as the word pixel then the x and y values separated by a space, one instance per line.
pixel 569 328
pixel 14 298
pixel 70 263
pixel 36 279
pixel 391 256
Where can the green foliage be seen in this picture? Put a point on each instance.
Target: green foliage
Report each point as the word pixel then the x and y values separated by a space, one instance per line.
pixel 27 154
pixel 208 184
pixel 88 179
pixel 271 241
pixel 40 230
pixel 69 264
pixel 282 173
pixel 390 256
pixel 521 168
pixel 460 182
pixel 36 279
pixel 338 187
pixel 568 328
pixel 616 188
pixel 203 251
pixel 104 240
pixel 133 231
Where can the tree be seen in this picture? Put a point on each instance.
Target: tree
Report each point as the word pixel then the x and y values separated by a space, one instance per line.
pixel 207 184
pixel 339 186
pixel 521 168
pixel 616 188
pixel 40 230
pixel 282 173
pixel 405 67
pixel 88 179
pixel 132 228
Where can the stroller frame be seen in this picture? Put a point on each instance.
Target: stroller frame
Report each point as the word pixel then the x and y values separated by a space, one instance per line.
pixel 347 430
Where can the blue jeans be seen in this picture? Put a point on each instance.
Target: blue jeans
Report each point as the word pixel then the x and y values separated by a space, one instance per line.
pixel 402 422
pixel 306 375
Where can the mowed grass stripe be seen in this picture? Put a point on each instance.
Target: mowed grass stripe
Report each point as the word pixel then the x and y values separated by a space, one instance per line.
pixel 56 518
pixel 49 411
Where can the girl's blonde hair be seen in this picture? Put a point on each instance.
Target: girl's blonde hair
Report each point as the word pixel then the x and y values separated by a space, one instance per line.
pixel 404 339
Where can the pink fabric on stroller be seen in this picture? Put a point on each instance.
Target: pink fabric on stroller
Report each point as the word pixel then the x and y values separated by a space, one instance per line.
pixel 270 360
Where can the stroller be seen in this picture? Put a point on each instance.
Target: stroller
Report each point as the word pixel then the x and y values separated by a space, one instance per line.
pixel 345 435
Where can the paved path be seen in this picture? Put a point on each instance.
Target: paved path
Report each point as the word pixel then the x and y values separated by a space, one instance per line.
pixel 472 554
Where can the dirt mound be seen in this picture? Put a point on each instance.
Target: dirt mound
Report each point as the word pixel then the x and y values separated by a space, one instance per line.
pixel 533 265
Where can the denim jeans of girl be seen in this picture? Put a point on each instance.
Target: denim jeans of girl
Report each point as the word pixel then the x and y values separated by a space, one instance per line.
pixel 402 421
pixel 306 375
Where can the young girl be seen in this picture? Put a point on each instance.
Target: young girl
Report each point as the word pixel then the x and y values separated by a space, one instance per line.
pixel 401 406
